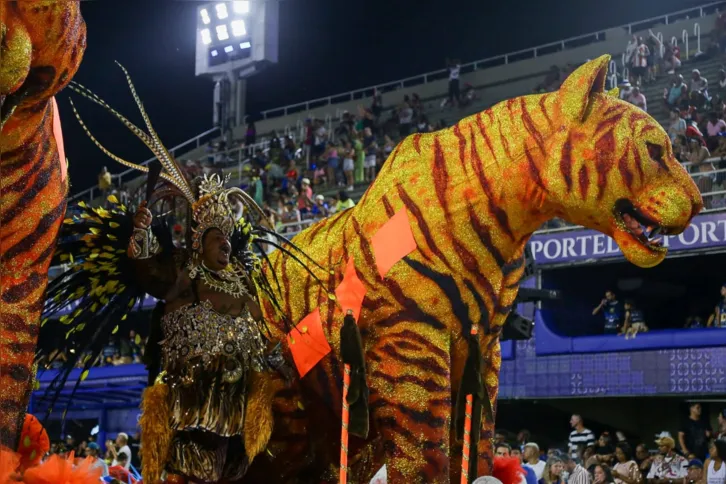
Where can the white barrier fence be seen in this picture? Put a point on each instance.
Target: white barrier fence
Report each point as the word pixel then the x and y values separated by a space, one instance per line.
pixel 694 12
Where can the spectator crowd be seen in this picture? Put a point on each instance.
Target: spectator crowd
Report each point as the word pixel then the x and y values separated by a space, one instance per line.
pixel 118 351
pixel 695 456
pixel 627 319
pixel 116 460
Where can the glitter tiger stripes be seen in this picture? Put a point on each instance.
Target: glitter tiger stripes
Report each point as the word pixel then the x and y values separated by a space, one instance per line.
pixel 32 184
pixel 473 194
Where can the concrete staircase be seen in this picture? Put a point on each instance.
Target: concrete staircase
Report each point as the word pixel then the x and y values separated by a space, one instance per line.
pixel 654 92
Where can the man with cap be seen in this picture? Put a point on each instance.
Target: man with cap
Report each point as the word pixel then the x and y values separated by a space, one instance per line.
pixel 718 318
pixel 532 460
pixel 695 472
pixel 625 90
pixel 92 452
pixel 320 208
pixel 668 467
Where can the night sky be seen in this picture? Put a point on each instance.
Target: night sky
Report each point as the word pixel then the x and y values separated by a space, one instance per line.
pixel 326 47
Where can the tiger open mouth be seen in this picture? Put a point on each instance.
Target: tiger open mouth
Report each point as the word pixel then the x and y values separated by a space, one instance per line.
pixel 643 229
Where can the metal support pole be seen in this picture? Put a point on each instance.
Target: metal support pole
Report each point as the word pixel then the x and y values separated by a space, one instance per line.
pixel 241 86
pixel 102 423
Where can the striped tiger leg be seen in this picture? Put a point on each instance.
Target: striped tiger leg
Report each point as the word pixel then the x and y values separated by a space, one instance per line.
pixel 492 363
pixel 411 400
pixel 288 452
pixel 484 454
pixel 491 355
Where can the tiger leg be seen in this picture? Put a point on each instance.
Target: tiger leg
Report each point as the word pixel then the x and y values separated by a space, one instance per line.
pixel 288 451
pixel 410 401
pixel 483 453
pixel 492 363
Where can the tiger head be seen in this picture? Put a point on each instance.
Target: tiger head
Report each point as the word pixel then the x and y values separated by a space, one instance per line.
pixel 612 168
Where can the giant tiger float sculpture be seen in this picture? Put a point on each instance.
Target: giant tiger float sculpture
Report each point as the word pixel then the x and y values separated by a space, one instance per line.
pixel 432 251
pixel 42 46
pixel 437 244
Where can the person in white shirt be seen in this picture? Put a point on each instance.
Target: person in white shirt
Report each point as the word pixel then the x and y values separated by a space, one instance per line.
pixel 122 441
pixel 454 88
pixel 630 50
pixel 532 460
pixel 640 60
pixel 667 466
pixel 715 467
pixel 638 98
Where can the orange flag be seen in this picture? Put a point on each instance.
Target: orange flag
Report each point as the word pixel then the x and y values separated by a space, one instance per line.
pixel 393 242
pixel 351 291
pixel 308 343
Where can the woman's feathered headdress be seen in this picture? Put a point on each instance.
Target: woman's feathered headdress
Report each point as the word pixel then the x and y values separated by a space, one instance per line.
pixel 211 197
pixel 211 206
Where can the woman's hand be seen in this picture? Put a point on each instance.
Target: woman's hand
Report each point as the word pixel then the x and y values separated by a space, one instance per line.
pixel 142 217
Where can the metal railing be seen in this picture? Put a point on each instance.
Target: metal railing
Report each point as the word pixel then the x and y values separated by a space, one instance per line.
pixel 93 192
pixel 515 56
pixel 625 72
pixel 291 229
pixel 236 168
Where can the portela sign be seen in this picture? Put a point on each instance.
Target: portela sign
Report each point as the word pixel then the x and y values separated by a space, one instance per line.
pixel 580 245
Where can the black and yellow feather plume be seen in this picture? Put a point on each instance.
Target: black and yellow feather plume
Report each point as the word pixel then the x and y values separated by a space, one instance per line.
pixel 98 284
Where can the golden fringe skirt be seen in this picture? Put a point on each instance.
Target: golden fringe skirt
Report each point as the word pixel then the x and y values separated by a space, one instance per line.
pixel 208 415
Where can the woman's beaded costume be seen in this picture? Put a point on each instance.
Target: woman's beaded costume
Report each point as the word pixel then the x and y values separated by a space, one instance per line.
pixel 206 414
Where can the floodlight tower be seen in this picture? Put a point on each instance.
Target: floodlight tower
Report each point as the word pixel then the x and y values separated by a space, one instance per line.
pixel 235 40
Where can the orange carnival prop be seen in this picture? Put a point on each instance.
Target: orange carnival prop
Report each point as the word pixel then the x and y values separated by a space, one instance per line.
pixel 43 44
pixel 24 465
pixel 437 244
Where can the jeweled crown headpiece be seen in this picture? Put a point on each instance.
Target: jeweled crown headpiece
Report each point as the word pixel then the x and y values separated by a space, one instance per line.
pixel 212 209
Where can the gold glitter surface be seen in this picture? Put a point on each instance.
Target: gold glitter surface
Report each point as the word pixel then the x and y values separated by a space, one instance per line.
pixel 31 188
pixel 474 194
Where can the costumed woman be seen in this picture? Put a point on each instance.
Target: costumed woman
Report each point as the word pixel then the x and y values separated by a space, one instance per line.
pixel 213 342
pixel 208 412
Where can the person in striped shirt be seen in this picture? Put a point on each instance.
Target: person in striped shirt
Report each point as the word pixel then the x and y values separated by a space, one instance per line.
pixel 576 473
pixel 580 436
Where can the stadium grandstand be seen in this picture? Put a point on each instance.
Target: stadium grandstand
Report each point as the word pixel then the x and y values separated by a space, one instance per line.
pixel 604 331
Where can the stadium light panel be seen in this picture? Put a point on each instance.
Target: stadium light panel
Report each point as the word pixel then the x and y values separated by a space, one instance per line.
pixel 238 28
pixel 241 7
pixel 205 16
pixel 228 49
pixel 245 45
pixel 214 53
pixel 222 33
pixel 206 36
pixel 221 9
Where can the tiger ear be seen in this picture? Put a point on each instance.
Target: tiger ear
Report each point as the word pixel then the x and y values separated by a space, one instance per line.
pixel 585 81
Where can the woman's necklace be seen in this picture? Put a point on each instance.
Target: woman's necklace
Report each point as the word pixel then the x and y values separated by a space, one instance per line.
pixel 229 281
